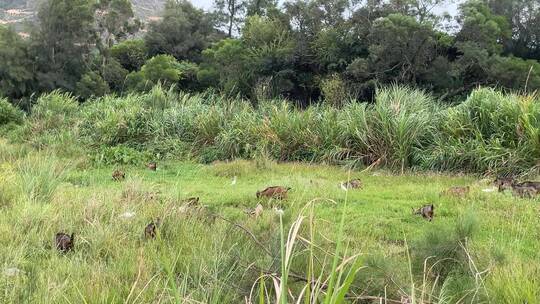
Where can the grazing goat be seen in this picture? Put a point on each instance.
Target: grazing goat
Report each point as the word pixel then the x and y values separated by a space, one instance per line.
pixel 504 183
pixel 64 242
pixel 192 201
pixel 277 192
pixel 457 191
pixel 427 212
pixel 352 184
pixel 151 229
pixel 524 191
pixel 152 166
pixel 118 175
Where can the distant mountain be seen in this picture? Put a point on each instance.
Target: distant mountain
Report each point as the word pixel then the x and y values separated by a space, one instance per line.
pixel 18 12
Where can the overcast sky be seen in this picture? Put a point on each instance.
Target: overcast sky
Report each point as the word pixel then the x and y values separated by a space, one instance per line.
pixel 451 8
pixel 205 4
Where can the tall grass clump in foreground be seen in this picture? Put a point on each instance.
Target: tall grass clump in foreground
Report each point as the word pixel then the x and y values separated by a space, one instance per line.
pixel 398 126
pixel 110 121
pixel 490 132
pixel 40 176
pixel 329 287
pixel 443 257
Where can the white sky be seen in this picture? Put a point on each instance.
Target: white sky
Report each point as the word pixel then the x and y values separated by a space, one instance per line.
pixel 451 8
pixel 205 4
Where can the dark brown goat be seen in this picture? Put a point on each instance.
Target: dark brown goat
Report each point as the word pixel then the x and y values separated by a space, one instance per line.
pixel 118 175
pixel 151 229
pixel 64 242
pixel 152 166
pixel 427 212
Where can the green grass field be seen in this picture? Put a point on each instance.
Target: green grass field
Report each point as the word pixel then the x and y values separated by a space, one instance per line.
pixel 481 249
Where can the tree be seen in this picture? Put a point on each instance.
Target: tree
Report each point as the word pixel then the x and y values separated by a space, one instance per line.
pixel 514 73
pixel 131 54
pixel 63 42
pixel 164 69
pixel 91 85
pixel 261 7
pixel 270 50
pixel 114 21
pixel 230 13
pixel 226 65
pixel 16 77
pixel 524 19
pixel 400 48
pixel 114 74
pixel 264 53
pixel 183 32
pixel 481 27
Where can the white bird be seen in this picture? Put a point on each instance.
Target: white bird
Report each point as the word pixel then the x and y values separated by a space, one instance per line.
pixel 12 271
pixel 343 187
pixel 233 181
pixel 127 215
pixel 279 211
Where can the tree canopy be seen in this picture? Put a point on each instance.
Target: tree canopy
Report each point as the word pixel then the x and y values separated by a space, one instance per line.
pixel 301 49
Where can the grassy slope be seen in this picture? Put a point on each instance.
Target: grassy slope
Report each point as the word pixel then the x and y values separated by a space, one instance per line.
pixel 113 264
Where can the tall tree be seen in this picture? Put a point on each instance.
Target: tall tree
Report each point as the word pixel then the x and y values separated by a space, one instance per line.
pixel 115 20
pixel 16 77
pixel 401 48
pixel 230 14
pixel 524 19
pixel 261 7
pixel 183 32
pixel 63 42
pixel 481 27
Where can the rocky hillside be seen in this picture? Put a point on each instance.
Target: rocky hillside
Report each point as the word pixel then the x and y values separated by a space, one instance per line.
pixel 18 12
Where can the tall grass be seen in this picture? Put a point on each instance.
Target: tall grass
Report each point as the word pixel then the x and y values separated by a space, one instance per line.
pixel 39 177
pixel 491 132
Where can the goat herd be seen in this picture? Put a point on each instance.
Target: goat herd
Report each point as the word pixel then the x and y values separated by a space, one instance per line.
pixel 528 189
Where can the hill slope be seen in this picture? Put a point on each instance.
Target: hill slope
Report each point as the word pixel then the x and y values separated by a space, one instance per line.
pixel 17 12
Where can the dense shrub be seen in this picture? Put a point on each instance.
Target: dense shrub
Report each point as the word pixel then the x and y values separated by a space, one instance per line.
pixel 9 113
pixel 91 85
pixel 119 155
pixel 54 110
pixel 111 121
pixel 53 123
pixel 489 132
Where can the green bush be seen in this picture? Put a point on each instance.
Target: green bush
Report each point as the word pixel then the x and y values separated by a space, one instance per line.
pixel 9 113
pixel 53 123
pixel 54 110
pixel 112 121
pixel 131 54
pixel 120 155
pixel 401 124
pixel 489 132
pixel 443 252
pixel 335 91
pixel 92 85
pixel 40 176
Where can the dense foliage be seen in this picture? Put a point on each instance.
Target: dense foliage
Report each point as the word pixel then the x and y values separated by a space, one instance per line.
pixel 303 50
pixel 403 129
